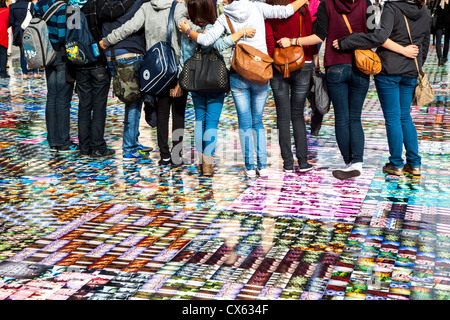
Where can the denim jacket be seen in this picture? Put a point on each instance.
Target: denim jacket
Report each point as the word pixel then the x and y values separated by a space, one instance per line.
pixel 188 47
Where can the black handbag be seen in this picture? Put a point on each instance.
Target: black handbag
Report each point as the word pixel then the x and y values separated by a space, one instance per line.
pixel 205 73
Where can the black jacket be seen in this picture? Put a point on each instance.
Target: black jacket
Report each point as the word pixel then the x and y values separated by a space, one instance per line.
pixel 17 13
pixel 393 26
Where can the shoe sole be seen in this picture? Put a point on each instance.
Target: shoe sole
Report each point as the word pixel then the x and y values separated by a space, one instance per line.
pixel 305 170
pixel 392 173
pixel 344 175
pixel 68 151
pixel 132 159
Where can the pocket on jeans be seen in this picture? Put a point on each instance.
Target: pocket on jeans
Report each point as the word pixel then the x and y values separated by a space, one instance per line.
pixel 334 75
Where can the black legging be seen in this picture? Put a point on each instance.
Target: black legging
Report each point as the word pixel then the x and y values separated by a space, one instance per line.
pixel 439 33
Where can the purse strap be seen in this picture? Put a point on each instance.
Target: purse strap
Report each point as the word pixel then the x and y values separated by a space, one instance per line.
pixel 170 23
pixel 410 38
pixel 229 24
pixel 347 23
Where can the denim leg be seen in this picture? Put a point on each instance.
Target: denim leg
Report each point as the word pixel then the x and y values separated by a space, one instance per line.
pixel 410 140
pixel 337 82
pixel 280 90
pixel 57 107
pixel 213 111
pixel 300 85
pixel 130 140
pixel 259 96
pixel 359 85
pixel 199 101
pixel 240 90
pixel 23 62
pixel 347 88
pixel 388 90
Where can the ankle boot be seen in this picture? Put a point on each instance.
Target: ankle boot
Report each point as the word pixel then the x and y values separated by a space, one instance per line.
pixel 200 163
pixel 208 166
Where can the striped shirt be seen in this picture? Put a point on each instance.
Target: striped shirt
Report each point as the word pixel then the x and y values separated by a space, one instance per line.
pixel 57 23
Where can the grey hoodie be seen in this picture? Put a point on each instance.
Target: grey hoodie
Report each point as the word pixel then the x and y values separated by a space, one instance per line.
pixel 153 16
pixel 246 14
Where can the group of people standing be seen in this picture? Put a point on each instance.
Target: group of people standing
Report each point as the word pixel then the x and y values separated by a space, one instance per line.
pixel 130 27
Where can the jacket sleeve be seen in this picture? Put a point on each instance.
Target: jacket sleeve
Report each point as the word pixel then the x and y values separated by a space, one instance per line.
pixel 425 46
pixel 181 14
pixel 223 43
pixel 212 35
pixel 275 12
pixel 370 40
pixel 111 10
pixel 131 26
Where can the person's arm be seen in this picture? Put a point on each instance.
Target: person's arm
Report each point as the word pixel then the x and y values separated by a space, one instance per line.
pixel 410 51
pixel 205 39
pixel 270 39
pixel 279 12
pixel 305 41
pixel 131 26
pixel 425 46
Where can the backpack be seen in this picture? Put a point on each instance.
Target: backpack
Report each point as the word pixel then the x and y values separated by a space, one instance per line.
pixel 81 48
pixel 37 48
pixel 159 67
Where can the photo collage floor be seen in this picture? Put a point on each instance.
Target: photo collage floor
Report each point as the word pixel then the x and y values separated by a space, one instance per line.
pixel 76 228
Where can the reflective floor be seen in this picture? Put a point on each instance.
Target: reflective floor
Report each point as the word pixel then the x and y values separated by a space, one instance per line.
pixel 79 228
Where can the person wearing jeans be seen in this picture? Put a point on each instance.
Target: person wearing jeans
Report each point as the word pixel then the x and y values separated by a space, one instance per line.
pixel 290 93
pixel 92 87
pixel 347 88
pixel 395 94
pixel 57 107
pixel 250 100
pixel 398 78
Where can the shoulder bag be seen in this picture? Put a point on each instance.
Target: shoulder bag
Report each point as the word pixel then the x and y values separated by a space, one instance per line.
pixel 160 66
pixel 289 59
pixel 423 94
pixel 251 63
pixel 205 73
pixel 367 61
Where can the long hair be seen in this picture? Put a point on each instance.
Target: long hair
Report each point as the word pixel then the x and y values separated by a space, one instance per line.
pixel 201 12
pixel 420 2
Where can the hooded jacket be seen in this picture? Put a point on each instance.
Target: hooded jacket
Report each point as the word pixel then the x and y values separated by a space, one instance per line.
pixel 246 14
pixel 153 16
pixel 393 26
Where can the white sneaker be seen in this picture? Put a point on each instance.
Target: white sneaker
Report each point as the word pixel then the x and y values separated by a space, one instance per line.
pixel 249 173
pixel 350 170
pixel 262 173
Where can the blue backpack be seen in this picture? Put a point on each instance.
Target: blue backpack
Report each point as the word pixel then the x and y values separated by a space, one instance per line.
pixel 80 45
pixel 159 67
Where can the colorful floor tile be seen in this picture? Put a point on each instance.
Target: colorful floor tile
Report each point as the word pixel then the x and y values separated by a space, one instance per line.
pixel 76 228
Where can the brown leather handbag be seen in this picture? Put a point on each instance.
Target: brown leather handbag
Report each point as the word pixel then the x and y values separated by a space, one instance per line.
pixel 289 59
pixel 251 63
pixel 367 61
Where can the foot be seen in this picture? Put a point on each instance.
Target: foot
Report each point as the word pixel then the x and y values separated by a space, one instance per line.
pixel 164 162
pixel 288 169
pixel 102 154
pixel 250 173
pixel 71 147
pixel 305 168
pixel 132 156
pixel 390 169
pixel 415 171
pixel 349 171
pixel 262 173
pixel 85 153
pixel 144 148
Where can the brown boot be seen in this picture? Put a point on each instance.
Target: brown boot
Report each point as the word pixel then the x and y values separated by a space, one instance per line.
pixel 415 171
pixel 208 166
pixel 200 163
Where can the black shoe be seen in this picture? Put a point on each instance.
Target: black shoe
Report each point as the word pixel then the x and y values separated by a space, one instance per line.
pixel 71 147
pixel 305 168
pixel 101 154
pixel 85 153
pixel 54 149
pixel 163 162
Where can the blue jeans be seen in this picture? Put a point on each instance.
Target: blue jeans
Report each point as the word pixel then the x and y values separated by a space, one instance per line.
pixel 208 108
pixel 92 88
pixel 396 94
pixel 57 107
pixel 250 100
pixel 23 63
pixel 347 88
pixel 130 141
pixel 290 96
